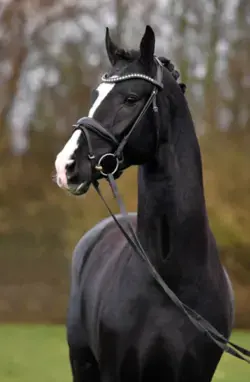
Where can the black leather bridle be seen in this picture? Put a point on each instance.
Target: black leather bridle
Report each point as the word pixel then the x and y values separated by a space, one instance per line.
pixel 109 165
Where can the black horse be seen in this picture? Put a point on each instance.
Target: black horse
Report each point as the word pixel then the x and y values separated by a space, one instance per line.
pixel 121 326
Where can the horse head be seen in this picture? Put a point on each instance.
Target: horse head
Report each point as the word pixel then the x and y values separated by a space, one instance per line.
pixel 122 127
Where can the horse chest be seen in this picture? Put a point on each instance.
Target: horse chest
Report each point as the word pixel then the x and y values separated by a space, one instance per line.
pixel 124 304
pixel 114 299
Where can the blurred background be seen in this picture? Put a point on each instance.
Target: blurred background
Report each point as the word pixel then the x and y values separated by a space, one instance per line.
pixel 51 56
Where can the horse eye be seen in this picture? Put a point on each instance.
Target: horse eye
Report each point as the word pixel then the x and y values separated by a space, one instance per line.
pixel 131 99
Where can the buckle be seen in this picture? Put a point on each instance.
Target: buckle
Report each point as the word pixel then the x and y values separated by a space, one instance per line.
pixel 108 164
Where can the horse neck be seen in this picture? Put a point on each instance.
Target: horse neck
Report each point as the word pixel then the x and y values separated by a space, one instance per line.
pixel 172 220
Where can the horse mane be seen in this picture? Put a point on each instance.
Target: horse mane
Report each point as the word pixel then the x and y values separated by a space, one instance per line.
pixel 171 68
pixel 131 55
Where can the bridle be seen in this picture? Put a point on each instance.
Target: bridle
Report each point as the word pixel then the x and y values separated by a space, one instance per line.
pixel 109 166
pixel 109 163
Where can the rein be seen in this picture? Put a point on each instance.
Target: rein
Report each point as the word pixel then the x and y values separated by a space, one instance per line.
pixel 197 320
pixel 108 165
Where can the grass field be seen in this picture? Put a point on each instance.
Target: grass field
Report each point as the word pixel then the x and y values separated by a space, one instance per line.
pixel 39 354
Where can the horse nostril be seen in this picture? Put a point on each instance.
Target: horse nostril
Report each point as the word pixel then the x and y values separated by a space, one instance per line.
pixel 72 179
pixel 71 171
pixel 70 164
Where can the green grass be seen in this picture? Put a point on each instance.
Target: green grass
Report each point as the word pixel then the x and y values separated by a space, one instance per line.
pixel 231 369
pixel 33 354
pixel 39 354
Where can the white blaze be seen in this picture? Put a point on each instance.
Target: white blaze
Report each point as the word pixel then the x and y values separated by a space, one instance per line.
pixel 103 90
pixel 64 158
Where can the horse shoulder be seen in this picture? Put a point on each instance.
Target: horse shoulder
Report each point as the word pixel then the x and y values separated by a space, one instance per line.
pixel 87 242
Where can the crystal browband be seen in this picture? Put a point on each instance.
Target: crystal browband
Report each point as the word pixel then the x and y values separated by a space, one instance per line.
pixel 115 79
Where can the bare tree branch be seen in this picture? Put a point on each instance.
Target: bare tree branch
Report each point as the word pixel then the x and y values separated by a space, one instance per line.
pixel 14 17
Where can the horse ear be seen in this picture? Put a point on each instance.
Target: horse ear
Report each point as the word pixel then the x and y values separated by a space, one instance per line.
pixel 111 48
pixel 147 47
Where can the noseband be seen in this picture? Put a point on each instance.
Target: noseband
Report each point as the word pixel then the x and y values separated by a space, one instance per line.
pixel 109 163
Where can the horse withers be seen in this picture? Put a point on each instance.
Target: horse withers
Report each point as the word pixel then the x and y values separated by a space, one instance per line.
pixel 121 326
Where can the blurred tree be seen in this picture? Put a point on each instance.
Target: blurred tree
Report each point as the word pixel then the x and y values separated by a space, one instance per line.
pixel 121 8
pixel 237 96
pixel 13 53
pixel 211 97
